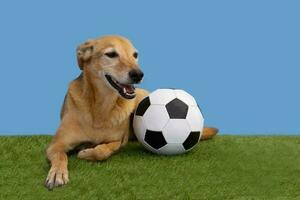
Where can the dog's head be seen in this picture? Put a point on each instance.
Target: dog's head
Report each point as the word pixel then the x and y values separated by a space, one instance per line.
pixel 114 59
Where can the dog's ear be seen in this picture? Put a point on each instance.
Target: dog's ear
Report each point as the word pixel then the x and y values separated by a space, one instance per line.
pixel 85 52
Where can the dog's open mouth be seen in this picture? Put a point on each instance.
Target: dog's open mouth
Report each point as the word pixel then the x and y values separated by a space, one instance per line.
pixel 125 90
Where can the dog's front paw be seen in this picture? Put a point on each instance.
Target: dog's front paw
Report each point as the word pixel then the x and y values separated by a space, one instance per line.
pixel 56 177
pixel 86 154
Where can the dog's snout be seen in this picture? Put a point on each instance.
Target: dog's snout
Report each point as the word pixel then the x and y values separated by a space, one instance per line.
pixel 136 75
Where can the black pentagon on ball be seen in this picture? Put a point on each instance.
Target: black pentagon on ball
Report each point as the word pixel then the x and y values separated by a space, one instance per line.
pixel 177 109
pixel 155 139
pixel 143 106
pixel 191 140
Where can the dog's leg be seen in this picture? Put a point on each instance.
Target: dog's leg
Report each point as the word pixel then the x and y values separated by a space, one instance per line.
pixel 100 152
pixel 58 174
pixel 68 136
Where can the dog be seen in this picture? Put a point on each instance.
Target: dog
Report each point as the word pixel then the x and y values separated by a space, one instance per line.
pixel 98 105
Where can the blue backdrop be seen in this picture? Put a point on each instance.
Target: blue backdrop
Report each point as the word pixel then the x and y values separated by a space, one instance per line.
pixel 240 59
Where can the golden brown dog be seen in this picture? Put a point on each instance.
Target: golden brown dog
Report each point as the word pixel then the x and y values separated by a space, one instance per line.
pixel 98 105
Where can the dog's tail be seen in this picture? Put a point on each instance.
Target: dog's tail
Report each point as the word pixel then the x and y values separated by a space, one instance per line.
pixel 208 133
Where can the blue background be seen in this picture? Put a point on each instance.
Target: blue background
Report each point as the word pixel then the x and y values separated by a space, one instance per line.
pixel 240 59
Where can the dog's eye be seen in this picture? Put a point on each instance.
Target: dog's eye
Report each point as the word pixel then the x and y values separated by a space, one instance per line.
pixel 112 54
pixel 135 54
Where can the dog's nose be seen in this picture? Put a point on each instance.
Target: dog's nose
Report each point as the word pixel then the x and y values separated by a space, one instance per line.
pixel 136 75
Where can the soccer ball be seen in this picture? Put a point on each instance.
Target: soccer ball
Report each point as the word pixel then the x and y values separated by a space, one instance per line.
pixel 168 122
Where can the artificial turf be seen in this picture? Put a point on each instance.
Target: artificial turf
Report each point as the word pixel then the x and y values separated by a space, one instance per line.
pixel 227 167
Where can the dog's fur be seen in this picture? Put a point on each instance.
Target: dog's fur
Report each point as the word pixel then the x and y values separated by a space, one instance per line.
pixel 93 111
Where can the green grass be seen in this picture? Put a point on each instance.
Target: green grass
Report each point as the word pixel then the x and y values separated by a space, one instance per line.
pixel 227 167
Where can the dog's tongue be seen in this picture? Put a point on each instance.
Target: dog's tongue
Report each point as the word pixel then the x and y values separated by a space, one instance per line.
pixel 129 88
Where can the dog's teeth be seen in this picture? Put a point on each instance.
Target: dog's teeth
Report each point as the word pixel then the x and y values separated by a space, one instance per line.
pixel 124 90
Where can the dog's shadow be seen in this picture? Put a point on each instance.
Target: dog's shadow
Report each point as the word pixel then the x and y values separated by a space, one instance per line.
pixel 133 148
pixel 136 149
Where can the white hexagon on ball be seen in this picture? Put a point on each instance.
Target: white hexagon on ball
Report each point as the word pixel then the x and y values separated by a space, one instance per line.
pixel 176 131
pixel 162 96
pixel 171 149
pixel 156 117
pixel 139 127
pixel 195 119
